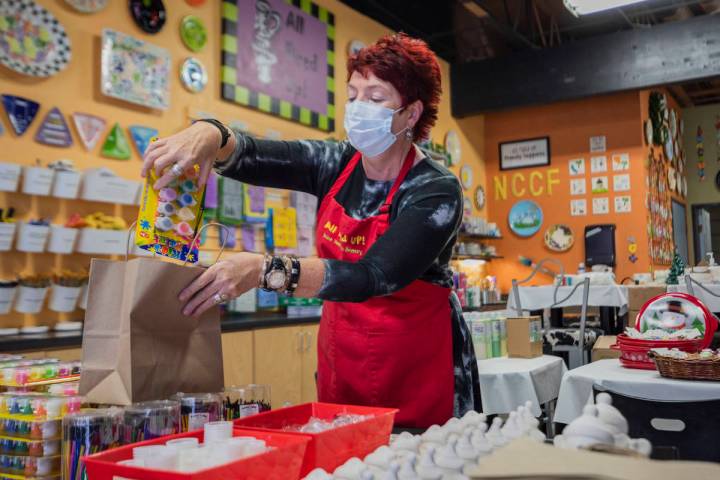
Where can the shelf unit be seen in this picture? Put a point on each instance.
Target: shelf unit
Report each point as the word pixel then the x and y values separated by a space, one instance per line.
pixel 477 236
pixel 476 257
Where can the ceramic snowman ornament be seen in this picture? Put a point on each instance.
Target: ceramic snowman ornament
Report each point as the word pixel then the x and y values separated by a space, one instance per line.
pixel 601 424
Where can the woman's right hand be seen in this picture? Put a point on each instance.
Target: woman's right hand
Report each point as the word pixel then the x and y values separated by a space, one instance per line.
pixel 198 144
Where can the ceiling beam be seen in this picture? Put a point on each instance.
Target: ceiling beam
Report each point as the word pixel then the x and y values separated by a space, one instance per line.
pixel 633 59
pixel 507 31
pixel 678 92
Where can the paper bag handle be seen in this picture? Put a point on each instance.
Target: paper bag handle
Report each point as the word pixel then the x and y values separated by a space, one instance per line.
pixel 194 240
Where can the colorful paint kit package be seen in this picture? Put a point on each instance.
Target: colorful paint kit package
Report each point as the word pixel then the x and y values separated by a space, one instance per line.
pixel 169 218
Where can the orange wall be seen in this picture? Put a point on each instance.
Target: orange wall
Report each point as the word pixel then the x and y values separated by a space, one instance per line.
pixel 76 89
pixel 569 126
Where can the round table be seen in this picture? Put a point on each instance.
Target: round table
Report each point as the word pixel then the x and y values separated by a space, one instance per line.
pixel 507 383
pixel 577 384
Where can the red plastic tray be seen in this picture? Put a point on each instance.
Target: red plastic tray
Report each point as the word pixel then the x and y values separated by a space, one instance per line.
pixel 633 352
pixel 281 463
pixel 331 448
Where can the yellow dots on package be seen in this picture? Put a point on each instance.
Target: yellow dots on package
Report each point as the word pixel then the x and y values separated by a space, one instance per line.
pixel 169 217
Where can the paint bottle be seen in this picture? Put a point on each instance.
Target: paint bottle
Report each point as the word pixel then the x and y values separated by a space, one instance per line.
pixel 478 330
pixel 495 334
pixel 503 336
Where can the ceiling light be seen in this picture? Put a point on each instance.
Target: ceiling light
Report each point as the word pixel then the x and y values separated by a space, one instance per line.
pixel 585 7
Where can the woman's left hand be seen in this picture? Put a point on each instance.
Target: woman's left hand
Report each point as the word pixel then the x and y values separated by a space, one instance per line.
pixel 228 278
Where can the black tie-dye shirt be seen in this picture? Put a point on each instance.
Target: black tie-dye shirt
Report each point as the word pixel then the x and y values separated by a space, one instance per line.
pixel 424 219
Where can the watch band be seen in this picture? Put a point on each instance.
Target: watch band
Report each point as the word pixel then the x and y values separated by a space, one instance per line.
pixel 262 283
pixel 224 131
pixel 294 275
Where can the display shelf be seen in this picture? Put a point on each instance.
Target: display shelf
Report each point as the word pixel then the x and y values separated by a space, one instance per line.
pixel 478 236
pixel 231 322
pixel 476 257
pixel 488 307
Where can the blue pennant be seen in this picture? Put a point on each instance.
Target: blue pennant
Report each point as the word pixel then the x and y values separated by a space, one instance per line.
pixel 141 137
pixel 20 111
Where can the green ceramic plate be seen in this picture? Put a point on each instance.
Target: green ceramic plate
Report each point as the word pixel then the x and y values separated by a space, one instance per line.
pixel 193 33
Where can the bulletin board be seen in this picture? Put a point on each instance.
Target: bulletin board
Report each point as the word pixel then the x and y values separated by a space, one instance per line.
pixel 278 56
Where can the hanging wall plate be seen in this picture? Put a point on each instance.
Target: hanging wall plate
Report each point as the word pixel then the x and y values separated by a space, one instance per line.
pixel 20 111
pixel 466 177
pixel 479 197
pixel 467 206
pixel 648 132
pixel 672 179
pixel 54 130
pixel 668 149
pixel 142 136
pixel 559 238
pixel 673 124
pixel 134 70
pixel 452 146
pixel 525 218
pixel 149 15
pixel 89 128
pixel 193 33
pixel 193 75
pixel 87 6
pixel 116 144
pixel 32 41
pixel 355 46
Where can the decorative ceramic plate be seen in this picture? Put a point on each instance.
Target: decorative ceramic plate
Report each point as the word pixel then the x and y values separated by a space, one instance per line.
pixel 559 238
pixel 671 179
pixel 678 182
pixel 355 46
pixel 467 206
pixel 149 15
pixel 525 218
pixel 648 132
pixel 193 75
pixel 466 177
pixel 193 33
pixel 479 197
pixel 452 145
pixel 87 6
pixel 684 187
pixel 669 150
pixel 673 124
pixel 675 311
pixel 134 70
pixel 32 41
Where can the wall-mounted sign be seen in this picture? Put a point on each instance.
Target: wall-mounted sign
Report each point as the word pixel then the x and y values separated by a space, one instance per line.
pixel 280 59
pixel 532 152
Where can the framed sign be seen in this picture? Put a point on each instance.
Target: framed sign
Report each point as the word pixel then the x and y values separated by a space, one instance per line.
pixel 278 56
pixel 532 152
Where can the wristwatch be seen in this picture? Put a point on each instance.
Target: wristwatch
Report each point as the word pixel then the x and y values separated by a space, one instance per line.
pixel 224 131
pixel 275 277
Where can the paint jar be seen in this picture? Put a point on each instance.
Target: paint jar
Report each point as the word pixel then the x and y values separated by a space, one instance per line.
pixel 244 400
pixel 85 433
pixel 164 224
pixel 197 409
pixel 216 432
pixel 148 420
pixel 166 208
pixel 167 195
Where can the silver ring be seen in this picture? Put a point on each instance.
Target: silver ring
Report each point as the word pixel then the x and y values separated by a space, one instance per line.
pixel 176 170
pixel 219 298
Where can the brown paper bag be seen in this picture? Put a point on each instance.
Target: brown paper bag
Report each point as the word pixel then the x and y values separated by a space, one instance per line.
pixel 137 345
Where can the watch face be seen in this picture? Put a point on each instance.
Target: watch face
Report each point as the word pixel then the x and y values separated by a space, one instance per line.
pixel 276 279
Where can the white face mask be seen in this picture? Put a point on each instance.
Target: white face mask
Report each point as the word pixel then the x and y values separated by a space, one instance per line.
pixel 369 127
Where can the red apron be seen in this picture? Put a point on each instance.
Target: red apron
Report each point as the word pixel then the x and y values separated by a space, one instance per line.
pixel 390 351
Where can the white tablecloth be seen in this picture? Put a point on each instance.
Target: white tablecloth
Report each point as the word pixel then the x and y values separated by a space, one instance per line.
pixel 506 383
pixel 576 388
pixel 710 301
pixel 540 297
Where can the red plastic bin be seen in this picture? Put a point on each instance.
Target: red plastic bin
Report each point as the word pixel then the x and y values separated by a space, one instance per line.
pixel 331 448
pixel 281 463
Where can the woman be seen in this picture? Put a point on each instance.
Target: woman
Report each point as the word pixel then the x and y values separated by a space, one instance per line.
pixel 391 333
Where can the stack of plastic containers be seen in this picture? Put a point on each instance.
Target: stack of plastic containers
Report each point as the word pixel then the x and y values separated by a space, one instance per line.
pixel 30 433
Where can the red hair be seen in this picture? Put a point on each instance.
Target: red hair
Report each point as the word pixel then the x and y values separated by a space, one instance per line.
pixel 411 67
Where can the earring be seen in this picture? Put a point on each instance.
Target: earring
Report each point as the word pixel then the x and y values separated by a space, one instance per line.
pixel 409 134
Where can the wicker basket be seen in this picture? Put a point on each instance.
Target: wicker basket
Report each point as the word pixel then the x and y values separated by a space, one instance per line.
pixel 693 368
